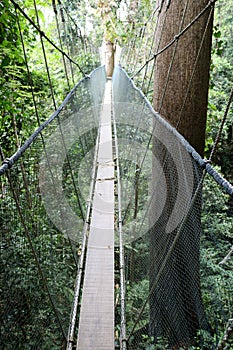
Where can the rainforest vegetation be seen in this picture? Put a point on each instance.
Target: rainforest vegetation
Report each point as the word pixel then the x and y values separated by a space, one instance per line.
pixel 28 320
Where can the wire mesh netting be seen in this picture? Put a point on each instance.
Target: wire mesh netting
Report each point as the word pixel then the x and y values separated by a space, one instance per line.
pixel 43 205
pixel 177 225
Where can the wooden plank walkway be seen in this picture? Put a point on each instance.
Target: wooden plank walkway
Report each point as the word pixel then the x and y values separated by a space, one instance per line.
pixel 96 325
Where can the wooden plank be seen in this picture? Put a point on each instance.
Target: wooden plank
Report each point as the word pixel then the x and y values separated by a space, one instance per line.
pixel 96 325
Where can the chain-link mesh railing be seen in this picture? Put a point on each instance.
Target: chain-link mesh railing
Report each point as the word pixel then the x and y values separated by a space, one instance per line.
pixel 177 225
pixel 43 206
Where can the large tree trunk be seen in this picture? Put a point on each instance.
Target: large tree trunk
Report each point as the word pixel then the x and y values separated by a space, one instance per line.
pixel 109 58
pixel 180 95
pixel 191 119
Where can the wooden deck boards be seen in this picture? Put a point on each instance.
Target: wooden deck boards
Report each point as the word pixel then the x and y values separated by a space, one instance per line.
pixel 96 326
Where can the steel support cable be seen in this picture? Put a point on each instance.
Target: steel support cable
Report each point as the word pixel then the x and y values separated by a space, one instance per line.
pixel 131 47
pixel 169 71
pixel 22 167
pixel 152 71
pixel 77 29
pixel 145 154
pixel 138 176
pixel 173 57
pixel 43 35
pixel 37 116
pixel 176 37
pixel 151 48
pixel 168 255
pixel 61 11
pixel 44 53
pixel 40 271
pixel 67 44
pixel 138 112
pixel 195 66
pixel 71 18
pixel 27 67
pixel 202 162
pixel 123 340
pixel 60 42
pixel 219 134
pixel 138 48
pixel 128 59
pixel 140 165
pixel 159 8
pixel 222 181
pixel 128 47
pixel 145 24
pixel 55 107
pixel 14 121
pixel 141 35
pixel 125 53
pixel 8 162
pixel 147 35
pixel 142 109
pixel 211 171
pixel 79 277
pixel 63 21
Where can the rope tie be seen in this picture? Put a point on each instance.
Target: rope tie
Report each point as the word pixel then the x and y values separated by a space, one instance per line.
pixel 9 162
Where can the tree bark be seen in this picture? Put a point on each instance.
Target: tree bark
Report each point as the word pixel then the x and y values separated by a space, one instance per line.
pixel 189 120
pixel 180 96
pixel 109 58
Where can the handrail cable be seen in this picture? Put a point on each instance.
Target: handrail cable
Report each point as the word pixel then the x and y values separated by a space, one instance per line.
pixel 176 37
pixel 42 34
pixel 167 78
pixel 37 116
pixel 8 162
pixel 166 84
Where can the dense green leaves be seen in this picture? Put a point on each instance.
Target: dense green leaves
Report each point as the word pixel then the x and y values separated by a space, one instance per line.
pixel 23 297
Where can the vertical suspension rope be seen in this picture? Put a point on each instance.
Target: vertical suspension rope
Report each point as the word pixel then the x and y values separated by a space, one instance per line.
pixel 40 271
pixel 60 42
pixel 221 126
pixel 195 66
pixel 67 44
pixel 173 57
pixel 170 250
pixel 37 117
pixel 45 57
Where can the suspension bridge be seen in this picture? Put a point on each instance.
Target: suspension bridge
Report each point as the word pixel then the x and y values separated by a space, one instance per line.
pixel 101 217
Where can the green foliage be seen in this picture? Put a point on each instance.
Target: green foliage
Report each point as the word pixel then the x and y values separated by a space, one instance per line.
pixel 216 242
pixel 27 312
pixel 16 105
pixel 220 87
pixel 27 301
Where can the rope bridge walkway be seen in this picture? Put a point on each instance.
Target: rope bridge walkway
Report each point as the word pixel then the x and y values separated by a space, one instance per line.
pixel 107 225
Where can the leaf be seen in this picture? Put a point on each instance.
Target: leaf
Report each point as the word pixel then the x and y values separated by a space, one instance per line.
pixel 217 34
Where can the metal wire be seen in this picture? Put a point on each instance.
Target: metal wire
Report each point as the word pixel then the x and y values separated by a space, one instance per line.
pixel 176 37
